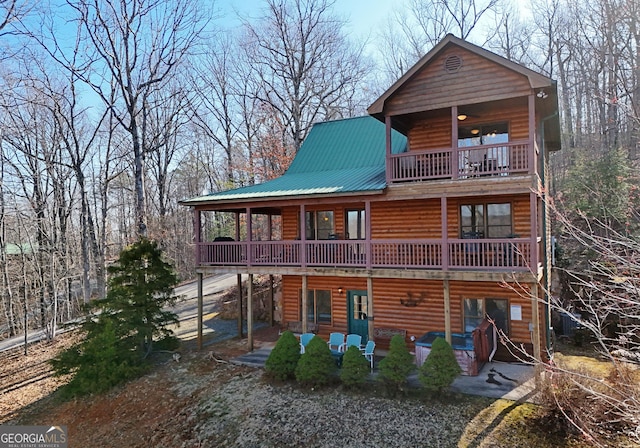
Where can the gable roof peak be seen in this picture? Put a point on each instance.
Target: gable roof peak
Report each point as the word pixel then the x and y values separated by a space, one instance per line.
pixel 535 79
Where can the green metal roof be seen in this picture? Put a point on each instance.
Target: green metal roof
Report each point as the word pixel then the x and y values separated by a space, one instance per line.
pixel 18 249
pixel 343 156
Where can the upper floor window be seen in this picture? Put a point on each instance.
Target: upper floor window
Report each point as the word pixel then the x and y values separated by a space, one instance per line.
pixel 319 225
pixel 355 224
pixel 486 220
pixel 485 134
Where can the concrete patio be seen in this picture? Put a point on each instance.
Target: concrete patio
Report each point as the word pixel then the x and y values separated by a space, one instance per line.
pixel 511 381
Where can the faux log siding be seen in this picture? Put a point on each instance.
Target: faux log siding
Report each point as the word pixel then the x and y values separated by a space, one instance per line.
pixel 478 80
pixel 518 329
pixel 290 217
pixel 414 219
pixel 291 286
pixel 434 133
pixel 428 315
pixel 521 210
pixel 406 219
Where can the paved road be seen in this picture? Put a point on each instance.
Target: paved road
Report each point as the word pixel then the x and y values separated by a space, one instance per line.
pixel 186 309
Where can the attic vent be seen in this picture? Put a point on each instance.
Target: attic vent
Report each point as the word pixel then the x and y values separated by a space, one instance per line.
pixel 453 63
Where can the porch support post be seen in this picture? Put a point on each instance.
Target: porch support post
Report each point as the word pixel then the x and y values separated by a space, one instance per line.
pixel 532 135
pixel 453 163
pixel 447 310
pixel 271 300
pixel 535 231
pixel 387 122
pixel 250 313
pixel 239 285
pixel 303 237
pixel 535 317
pixel 249 253
pixel 304 304
pixel 370 314
pixel 197 233
pixel 200 312
pixel 239 282
pixel 444 260
pixel 367 230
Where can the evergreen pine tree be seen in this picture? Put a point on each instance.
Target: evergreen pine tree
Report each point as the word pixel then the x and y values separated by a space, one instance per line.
pixel 355 368
pixel 120 337
pixel 283 359
pixel 397 365
pixel 316 365
pixel 440 368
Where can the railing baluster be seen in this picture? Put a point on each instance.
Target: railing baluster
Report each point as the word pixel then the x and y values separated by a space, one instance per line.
pixel 499 254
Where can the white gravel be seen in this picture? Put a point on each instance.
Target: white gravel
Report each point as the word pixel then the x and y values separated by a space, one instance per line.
pixel 247 411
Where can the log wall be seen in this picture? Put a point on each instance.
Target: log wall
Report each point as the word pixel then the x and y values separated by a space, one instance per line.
pixel 414 218
pixel 406 219
pixel 435 133
pixel 388 311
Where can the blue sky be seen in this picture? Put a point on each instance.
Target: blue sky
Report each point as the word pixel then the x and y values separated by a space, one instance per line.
pixel 365 17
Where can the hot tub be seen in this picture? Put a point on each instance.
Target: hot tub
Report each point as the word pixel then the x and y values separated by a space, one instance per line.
pixel 463 347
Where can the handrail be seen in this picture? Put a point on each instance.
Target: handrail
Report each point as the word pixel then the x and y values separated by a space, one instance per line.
pixel 501 159
pixel 489 253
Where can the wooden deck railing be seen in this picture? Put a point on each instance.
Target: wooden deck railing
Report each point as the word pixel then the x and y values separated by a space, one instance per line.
pixel 509 254
pixel 462 163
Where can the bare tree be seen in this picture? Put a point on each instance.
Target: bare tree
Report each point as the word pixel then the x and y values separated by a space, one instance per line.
pixel 410 33
pixel 134 47
pixel 216 78
pixel 11 13
pixel 512 36
pixel 304 64
pixel 605 305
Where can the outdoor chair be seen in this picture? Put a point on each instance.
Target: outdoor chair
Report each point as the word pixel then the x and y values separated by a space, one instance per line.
pixel 368 352
pixel 352 339
pixel 304 340
pixel 335 341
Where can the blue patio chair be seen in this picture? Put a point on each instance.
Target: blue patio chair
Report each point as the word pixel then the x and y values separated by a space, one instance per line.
pixel 352 339
pixel 368 352
pixel 304 340
pixel 335 341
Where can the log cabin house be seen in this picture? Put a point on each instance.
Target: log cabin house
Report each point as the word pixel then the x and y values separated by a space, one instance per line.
pixel 427 215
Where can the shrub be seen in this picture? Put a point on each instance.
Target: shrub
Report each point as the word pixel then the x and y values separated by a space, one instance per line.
pixel 440 368
pixel 355 368
pixel 283 359
pixel 397 365
pixel 316 365
pixel 598 399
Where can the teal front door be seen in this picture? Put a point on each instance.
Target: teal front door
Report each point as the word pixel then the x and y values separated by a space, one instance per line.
pixel 357 313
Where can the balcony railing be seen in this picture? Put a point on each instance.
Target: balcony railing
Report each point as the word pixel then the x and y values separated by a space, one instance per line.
pixel 508 254
pixel 461 163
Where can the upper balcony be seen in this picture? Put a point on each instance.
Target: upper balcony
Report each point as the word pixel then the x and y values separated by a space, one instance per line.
pixel 496 254
pixel 504 159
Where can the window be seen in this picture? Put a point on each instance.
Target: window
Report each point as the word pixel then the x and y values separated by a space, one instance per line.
pixel 475 310
pixel 359 307
pixel 486 134
pixel 318 306
pixel 486 220
pixel 355 225
pixel 319 225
